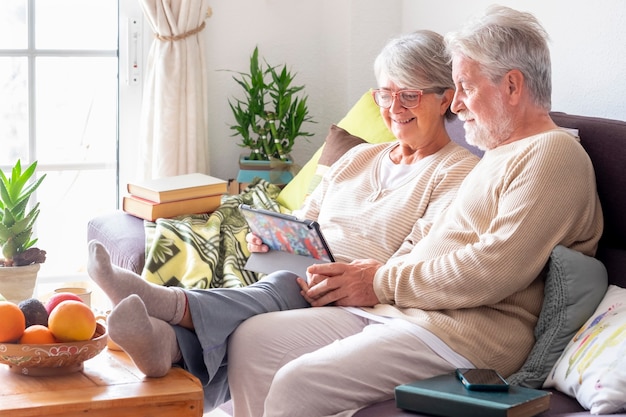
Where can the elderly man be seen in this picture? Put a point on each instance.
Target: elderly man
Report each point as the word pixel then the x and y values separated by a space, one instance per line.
pixel 469 292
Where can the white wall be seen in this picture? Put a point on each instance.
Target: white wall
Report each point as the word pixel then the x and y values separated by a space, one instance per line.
pixel 331 44
pixel 588 46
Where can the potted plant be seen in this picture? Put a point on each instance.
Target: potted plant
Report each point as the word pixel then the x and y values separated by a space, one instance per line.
pixel 270 117
pixel 20 259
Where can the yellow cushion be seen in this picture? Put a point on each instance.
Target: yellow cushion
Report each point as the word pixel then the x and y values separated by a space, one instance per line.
pixel 292 196
pixel 363 120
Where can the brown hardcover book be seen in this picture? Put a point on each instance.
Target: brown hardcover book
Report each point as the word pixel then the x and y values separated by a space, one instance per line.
pixel 149 210
pixel 179 187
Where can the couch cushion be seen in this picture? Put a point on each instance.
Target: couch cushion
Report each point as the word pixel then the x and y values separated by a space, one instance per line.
pixel 575 285
pixel 364 120
pixel 593 365
pixel 338 142
pixel 292 196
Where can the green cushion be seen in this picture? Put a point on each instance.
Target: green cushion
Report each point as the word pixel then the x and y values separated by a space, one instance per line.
pixel 363 120
pixel 575 285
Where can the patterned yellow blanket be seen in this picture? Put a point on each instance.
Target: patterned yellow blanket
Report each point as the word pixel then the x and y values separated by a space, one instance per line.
pixel 206 250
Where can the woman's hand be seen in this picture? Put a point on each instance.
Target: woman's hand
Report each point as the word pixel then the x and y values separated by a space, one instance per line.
pixel 255 244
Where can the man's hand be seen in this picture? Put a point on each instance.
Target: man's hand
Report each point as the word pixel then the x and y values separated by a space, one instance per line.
pixel 341 284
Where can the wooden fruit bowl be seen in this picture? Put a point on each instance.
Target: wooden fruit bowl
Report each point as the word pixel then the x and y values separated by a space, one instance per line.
pixel 53 358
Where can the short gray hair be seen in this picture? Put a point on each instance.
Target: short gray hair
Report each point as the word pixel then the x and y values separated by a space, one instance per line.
pixel 504 39
pixel 415 60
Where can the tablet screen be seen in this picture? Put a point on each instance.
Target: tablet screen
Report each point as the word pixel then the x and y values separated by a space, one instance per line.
pixel 287 233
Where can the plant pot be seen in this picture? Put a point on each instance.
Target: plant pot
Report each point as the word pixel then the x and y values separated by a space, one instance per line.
pixel 274 172
pixel 17 283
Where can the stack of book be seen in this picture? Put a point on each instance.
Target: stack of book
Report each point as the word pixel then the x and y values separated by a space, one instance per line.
pixel 174 196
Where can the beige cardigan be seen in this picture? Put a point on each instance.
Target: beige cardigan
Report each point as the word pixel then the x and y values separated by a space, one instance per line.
pixel 475 279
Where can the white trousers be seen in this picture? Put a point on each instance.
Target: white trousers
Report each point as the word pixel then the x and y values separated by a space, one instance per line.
pixel 323 361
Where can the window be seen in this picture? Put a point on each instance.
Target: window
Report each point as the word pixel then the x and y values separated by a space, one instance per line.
pixel 59 89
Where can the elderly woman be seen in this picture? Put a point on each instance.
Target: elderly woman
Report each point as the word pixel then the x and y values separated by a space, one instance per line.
pixel 368 205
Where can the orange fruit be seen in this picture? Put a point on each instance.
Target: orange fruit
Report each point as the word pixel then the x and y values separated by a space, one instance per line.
pixel 12 322
pixel 37 334
pixel 72 321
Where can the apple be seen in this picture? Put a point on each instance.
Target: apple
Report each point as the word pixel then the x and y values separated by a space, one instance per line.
pixel 60 297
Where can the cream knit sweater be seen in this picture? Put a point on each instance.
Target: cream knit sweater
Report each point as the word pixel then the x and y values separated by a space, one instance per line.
pixel 475 279
pixel 363 220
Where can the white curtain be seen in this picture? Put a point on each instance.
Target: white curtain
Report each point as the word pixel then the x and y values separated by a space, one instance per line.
pixel 173 115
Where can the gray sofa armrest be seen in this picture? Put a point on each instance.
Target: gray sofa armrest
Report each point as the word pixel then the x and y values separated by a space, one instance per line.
pixel 123 236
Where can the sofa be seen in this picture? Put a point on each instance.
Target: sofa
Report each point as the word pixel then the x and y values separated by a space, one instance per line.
pixel 605 142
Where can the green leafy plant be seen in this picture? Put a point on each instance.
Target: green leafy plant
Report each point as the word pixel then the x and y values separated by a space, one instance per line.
pixel 270 117
pixel 16 220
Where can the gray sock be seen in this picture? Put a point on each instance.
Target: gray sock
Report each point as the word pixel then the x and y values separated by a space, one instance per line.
pixel 165 303
pixel 151 343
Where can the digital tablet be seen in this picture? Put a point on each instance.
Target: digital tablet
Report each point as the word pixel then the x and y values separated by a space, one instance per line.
pixel 294 243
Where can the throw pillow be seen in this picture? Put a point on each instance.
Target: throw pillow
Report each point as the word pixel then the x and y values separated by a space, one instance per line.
pixel 575 284
pixel 364 120
pixel 292 196
pixel 593 365
pixel 338 142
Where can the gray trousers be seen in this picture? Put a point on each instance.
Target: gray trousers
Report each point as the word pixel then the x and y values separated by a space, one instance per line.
pixel 216 313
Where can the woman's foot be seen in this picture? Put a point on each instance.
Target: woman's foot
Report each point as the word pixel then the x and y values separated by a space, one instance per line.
pixel 165 303
pixel 151 343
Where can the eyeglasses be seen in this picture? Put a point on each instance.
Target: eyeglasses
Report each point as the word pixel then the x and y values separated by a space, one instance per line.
pixel 408 98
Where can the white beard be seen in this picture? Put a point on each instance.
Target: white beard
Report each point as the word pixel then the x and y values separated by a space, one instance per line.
pixel 488 136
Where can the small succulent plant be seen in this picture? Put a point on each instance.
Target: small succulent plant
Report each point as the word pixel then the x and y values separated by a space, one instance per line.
pixel 16 219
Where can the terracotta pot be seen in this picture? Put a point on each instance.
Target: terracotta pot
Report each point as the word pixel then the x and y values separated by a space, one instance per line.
pixel 17 283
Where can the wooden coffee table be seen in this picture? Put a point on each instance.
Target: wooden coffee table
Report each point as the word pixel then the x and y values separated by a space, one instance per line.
pixel 108 386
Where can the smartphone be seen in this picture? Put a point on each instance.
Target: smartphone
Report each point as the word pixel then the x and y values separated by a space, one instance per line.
pixel 482 379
